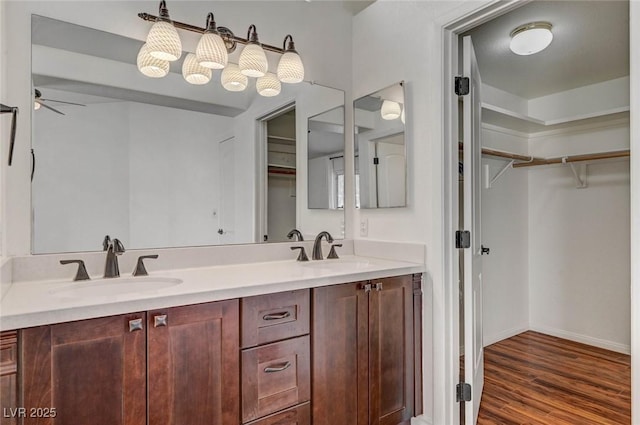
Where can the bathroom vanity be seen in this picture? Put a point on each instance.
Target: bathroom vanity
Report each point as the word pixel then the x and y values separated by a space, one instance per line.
pixel 325 342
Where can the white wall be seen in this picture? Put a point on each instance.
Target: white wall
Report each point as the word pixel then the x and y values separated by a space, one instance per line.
pixel 109 168
pixel 505 230
pixel 81 181
pixel 579 267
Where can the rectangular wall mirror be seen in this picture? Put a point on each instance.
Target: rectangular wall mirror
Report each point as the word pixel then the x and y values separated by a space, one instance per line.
pixel 158 162
pixel 380 147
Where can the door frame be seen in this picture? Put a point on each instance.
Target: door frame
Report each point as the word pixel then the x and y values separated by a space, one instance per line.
pixel 262 175
pixel 451 26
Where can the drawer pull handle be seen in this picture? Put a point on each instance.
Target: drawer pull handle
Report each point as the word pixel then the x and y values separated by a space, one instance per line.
pixel 276 316
pixel 135 325
pixel 160 320
pixel 277 368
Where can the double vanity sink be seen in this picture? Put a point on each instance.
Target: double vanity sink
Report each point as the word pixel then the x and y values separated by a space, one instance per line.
pixel 34 303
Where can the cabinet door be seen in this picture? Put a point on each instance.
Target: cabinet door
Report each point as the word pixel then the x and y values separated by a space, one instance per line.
pixel 9 377
pixel 89 372
pixel 340 366
pixel 193 365
pixel 391 353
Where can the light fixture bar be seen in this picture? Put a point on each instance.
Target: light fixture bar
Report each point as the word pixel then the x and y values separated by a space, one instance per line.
pixel 225 33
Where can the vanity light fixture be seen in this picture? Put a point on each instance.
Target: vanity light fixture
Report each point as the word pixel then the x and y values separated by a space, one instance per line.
pixel 269 85
pixel 163 40
pixel 531 38
pixel 194 72
pixel 290 67
pixel 212 52
pixel 253 61
pixel 232 79
pixel 390 110
pixel 150 66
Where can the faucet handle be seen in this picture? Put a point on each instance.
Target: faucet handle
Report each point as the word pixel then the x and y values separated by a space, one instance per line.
pixel 333 254
pixel 81 274
pixel 303 255
pixel 118 248
pixel 140 269
pixel 106 242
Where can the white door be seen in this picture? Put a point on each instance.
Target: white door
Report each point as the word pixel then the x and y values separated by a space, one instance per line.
pixel 226 150
pixel 391 175
pixel 473 352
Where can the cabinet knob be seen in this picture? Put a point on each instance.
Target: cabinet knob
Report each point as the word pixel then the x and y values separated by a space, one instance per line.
pixel 135 325
pixel 277 368
pixel 160 320
pixel 377 286
pixel 367 287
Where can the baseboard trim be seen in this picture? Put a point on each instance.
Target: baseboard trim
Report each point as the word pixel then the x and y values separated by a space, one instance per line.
pixel 488 340
pixel 421 420
pixel 584 339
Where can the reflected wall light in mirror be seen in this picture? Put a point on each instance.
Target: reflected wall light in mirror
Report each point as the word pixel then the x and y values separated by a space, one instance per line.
pixel 212 52
pixel 190 181
pixel 380 148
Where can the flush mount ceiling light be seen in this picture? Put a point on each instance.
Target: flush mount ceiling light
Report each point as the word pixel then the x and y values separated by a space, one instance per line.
pixel 212 52
pixel 531 38
pixel 390 110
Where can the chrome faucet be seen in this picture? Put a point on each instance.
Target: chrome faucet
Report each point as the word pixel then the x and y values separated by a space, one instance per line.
pixel 296 233
pixel 113 248
pixel 317 245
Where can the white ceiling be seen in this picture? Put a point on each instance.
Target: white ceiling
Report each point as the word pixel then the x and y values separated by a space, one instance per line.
pixel 590 45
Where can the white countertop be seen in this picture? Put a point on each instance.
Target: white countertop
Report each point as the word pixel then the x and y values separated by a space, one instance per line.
pixel 28 304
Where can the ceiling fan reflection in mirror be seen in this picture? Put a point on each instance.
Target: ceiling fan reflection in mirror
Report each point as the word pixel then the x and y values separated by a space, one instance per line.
pixel 39 102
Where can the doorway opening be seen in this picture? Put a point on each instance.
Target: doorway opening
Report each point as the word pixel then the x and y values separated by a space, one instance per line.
pixel 553 131
pixel 279 137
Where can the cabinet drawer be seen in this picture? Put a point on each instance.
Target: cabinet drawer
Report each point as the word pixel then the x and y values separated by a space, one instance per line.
pixel 274 377
pixel 273 317
pixel 299 415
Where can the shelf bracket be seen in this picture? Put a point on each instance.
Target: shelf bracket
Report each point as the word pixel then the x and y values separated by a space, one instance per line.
pixel 579 173
pixel 489 183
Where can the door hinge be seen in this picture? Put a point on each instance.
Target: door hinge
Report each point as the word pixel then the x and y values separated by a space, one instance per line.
pixel 461 86
pixel 376 161
pixel 463 239
pixel 463 392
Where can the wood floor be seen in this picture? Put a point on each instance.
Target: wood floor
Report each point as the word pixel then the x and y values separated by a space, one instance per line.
pixel 537 379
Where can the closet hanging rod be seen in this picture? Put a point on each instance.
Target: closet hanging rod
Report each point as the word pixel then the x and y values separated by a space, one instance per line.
pixel 509 155
pixel 575 158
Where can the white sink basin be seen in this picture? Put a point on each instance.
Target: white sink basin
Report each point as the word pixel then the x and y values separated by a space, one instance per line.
pixel 337 265
pixel 116 286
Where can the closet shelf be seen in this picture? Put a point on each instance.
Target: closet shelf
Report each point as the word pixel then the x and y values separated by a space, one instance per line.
pixel 278 169
pixel 511 120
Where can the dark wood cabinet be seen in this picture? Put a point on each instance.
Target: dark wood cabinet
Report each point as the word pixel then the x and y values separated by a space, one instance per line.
pixel 86 372
pixel 193 364
pixel 8 377
pixel 166 367
pixel 364 352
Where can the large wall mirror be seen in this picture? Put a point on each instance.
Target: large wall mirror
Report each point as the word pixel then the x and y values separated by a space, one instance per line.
pixel 380 146
pixel 159 162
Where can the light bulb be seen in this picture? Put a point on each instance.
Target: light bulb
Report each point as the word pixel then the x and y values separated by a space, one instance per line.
pixel 268 86
pixel 150 66
pixel 232 79
pixel 193 72
pixel 390 110
pixel 36 105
